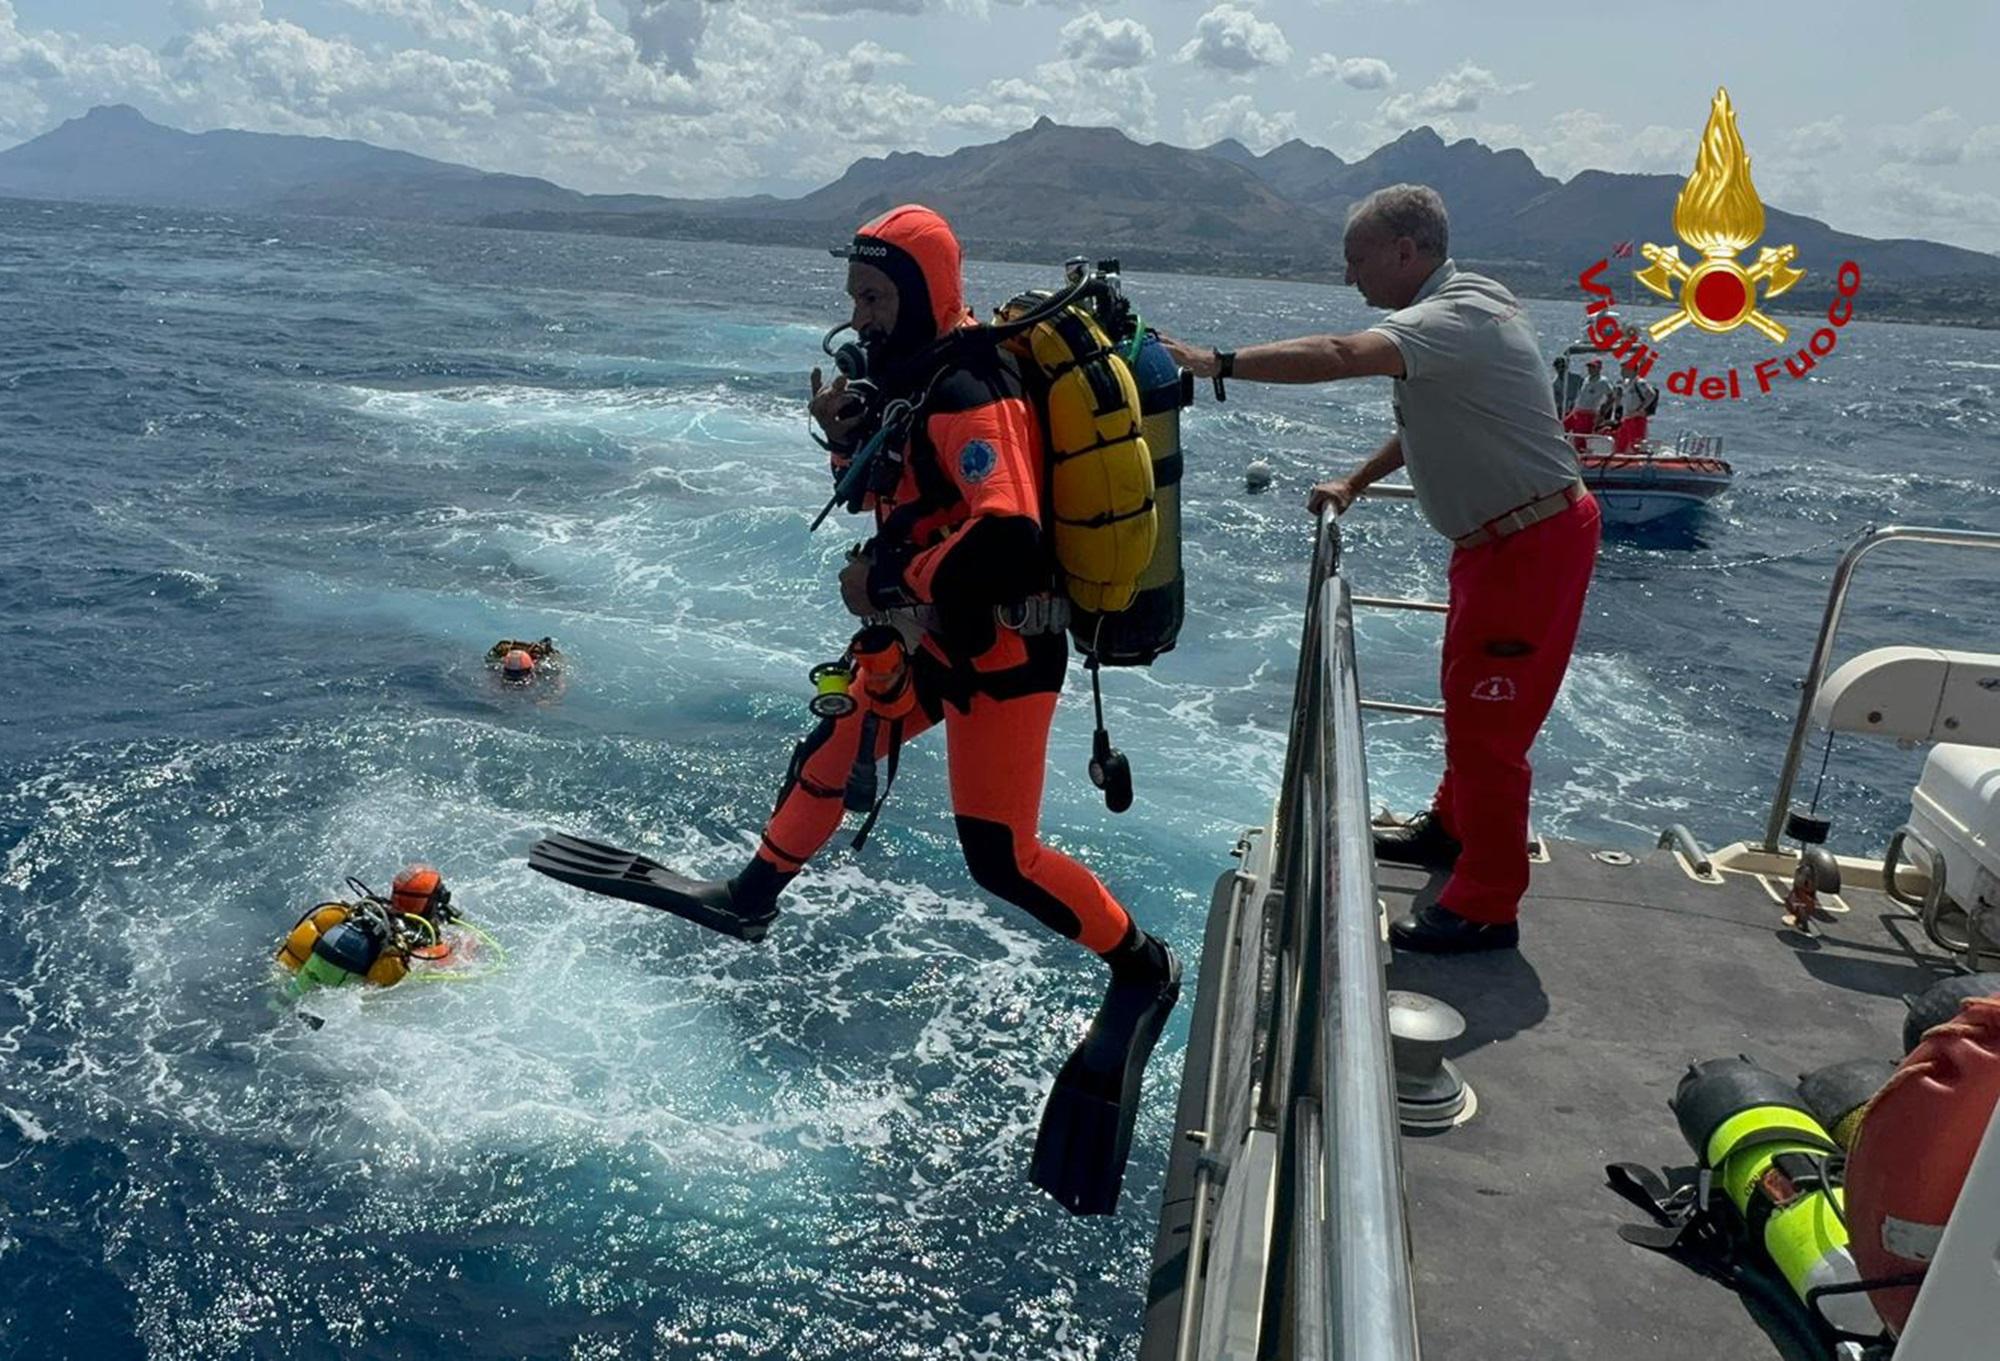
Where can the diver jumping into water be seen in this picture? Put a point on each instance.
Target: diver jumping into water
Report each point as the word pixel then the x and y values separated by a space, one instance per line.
pixel 957 564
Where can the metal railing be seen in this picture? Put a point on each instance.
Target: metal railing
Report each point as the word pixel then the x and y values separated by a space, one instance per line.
pixel 1329 1086
pixel 1836 601
pixel 1396 491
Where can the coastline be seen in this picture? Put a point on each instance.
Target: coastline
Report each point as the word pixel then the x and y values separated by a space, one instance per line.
pixel 1888 303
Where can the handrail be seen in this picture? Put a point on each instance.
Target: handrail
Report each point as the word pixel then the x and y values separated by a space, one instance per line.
pixel 1836 601
pixel 1397 602
pixel 1372 1312
pixel 1359 1280
pixel 1334 1260
pixel 1390 706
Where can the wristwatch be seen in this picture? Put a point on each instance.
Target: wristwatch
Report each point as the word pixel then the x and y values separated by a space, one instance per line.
pixel 1225 363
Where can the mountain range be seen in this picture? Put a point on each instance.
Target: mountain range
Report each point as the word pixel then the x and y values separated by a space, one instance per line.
pixel 1042 194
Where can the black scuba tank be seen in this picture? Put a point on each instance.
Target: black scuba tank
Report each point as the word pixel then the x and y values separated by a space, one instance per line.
pixel 348 946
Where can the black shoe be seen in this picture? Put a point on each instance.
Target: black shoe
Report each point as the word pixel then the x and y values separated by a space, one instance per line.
pixel 1437 930
pixel 1420 841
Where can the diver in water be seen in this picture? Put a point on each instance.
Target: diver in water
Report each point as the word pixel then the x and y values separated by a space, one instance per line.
pixel 522 663
pixel 373 939
pixel 956 566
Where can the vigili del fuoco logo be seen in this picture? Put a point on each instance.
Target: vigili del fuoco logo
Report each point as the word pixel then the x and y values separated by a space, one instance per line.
pixel 1719 216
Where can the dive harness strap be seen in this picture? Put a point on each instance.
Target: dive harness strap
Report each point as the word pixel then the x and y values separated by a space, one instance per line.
pixel 867 753
pixel 1684 1221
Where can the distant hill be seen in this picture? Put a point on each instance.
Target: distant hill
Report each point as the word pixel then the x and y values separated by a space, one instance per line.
pixel 1043 193
pixel 115 153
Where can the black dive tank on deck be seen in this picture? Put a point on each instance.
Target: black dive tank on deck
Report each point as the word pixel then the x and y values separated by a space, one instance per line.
pixel 1151 624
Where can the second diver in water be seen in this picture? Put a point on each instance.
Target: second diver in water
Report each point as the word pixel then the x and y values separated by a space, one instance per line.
pixel 957 564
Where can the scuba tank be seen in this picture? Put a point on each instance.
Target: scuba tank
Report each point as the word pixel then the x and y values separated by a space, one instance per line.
pixel 1918 1138
pixel 1151 623
pixel 373 939
pixel 1773 1161
pixel 1109 397
pixel 344 953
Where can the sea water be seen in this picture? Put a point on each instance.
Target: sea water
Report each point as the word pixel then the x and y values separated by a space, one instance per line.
pixel 268 491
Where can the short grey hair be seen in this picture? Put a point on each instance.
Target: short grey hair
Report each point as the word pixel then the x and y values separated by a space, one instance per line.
pixel 1412 210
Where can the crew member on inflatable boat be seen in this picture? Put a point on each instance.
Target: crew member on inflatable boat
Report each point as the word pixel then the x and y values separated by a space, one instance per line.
pixel 1592 400
pixel 1476 427
pixel 1567 384
pixel 1636 400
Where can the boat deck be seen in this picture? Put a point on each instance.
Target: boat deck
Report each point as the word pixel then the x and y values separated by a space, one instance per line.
pixel 1625 975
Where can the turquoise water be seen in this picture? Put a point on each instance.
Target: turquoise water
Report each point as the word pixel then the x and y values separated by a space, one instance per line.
pixel 272 487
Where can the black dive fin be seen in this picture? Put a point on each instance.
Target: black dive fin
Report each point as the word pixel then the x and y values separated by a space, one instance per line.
pixel 626 874
pixel 1086 1133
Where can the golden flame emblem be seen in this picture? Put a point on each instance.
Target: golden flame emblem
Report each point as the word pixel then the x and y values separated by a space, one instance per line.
pixel 1719 214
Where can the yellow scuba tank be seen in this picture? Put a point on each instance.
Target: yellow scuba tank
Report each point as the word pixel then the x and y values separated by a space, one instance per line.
pixel 316 922
pixel 1151 624
pixel 1100 507
pixel 388 968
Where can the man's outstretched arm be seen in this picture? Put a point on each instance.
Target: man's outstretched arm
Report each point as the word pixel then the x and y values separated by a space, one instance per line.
pixel 1306 359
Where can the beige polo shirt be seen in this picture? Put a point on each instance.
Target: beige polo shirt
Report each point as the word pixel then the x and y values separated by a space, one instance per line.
pixel 1477 417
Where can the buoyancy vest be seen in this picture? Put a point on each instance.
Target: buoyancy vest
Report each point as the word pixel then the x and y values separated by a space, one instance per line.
pixel 1102 522
pixel 1112 509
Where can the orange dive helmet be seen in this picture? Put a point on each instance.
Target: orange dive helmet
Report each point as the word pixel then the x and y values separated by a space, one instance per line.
pixel 419 891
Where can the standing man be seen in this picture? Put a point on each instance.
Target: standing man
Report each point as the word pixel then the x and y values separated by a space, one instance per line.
pixel 1588 408
pixel 1476 427
pixel 1636 400
pixel 1565 388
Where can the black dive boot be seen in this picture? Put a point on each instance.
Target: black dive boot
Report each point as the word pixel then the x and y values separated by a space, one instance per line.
pixel 1086 1134
pixel 1421 841
pixel 743 907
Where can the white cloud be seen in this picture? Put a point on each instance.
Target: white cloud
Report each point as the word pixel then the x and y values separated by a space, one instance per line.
pixel 1582 139
pixel 1106 44
pixel 849 6
pixel 1232 39
pixel 1065 91
pixel 1814 141
pixel 1912 203
pixel 1358 73
pixel 204 13
pixel 1461 91
pixel 1239 117
pixel 1940 137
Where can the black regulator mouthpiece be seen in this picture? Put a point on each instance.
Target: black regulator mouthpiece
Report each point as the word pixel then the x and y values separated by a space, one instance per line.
pixel 851 357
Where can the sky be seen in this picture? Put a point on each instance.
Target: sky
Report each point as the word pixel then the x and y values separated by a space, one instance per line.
pixel 1878 119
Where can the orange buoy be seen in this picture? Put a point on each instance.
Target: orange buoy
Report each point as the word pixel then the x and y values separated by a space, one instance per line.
pixel 1916 1144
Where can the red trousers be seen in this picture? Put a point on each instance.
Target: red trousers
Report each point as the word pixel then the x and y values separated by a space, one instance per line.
pixel 1629 432
pixel 997 751
pixel 1515 606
